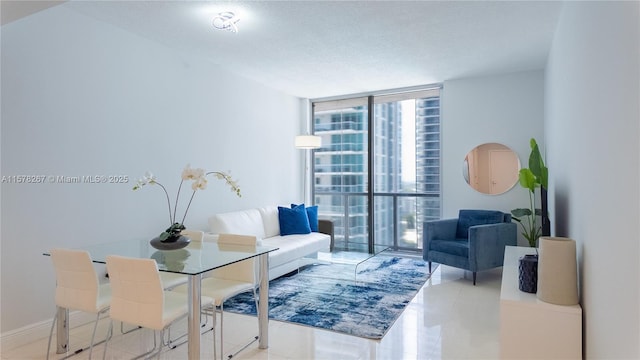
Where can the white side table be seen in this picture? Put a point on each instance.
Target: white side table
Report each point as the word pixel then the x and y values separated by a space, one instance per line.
pixel 531 328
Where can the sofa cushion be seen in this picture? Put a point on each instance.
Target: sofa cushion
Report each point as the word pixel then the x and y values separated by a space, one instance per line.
pixel 270 220
pixel 246 222
pixel 293 221
pixel 468 218
pixel 312 214
pixel 293 247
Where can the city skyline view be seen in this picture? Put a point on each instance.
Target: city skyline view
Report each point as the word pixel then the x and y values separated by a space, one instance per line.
pixel 406 169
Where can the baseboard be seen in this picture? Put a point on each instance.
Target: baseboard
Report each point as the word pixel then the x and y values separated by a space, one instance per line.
pixel 16 338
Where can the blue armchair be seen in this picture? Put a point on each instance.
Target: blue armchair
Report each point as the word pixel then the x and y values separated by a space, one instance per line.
pixel 474 241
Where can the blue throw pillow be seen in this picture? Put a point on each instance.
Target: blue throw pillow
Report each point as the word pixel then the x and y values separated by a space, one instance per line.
pixel 312 214
pixel 293 221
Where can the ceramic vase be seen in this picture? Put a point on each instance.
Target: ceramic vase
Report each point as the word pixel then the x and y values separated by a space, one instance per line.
pixel 528 273
pixel 557 271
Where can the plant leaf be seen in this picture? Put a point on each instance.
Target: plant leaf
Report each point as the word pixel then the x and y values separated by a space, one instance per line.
pixel 536 164
pixel 521 212
pixel 544 177
pixel 527 179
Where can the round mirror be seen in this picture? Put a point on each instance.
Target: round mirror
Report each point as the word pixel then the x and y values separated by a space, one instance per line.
pixel 491 168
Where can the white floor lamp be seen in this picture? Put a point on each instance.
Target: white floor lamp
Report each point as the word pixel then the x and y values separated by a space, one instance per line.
pixel 307 142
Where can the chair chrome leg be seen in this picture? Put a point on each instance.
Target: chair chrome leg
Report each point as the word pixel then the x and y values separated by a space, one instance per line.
pixel 255 338
pixel 93 335
pixel 222 329
pixel 53 325
pixel 91 344
pixel 215 350
pixel 244 347
pixel 106 341
pixel 128 331
pixel 429 267
pixel 474 278
pixel 173 343
pixel 155 346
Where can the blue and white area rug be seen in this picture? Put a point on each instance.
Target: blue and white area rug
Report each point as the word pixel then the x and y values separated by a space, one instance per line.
pixel 334 297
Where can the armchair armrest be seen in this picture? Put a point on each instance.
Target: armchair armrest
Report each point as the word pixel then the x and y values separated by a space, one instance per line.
pixel 440 229
pixel 326 227
pixel 487 244
pixel 437 229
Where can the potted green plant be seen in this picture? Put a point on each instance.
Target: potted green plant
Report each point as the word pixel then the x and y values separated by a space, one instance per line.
pixel 536 176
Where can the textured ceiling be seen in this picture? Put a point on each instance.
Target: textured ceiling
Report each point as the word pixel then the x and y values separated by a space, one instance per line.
pixel 318 49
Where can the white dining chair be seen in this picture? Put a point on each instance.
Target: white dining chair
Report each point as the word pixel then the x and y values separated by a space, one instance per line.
pixel 139 299
pixel 78 288
pixel 171 280
pixel 224 283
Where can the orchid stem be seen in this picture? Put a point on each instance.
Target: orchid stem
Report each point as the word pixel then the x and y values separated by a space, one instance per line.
pixel 168 202
pixel 175 207
pixel 188 206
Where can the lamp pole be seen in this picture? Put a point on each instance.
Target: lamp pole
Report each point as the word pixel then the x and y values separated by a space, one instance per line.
pixel 307 142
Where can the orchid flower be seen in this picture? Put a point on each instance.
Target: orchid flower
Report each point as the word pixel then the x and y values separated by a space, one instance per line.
pixel 199 182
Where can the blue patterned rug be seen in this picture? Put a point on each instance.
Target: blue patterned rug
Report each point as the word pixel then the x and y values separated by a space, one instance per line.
pixel 334 297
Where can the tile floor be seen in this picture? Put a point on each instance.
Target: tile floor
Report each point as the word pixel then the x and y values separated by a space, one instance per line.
pixel 448 319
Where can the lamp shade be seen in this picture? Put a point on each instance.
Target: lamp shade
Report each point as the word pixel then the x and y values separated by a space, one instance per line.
pixel 308 142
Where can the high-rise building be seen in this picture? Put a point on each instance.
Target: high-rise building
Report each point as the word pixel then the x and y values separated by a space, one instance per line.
pixel 428 156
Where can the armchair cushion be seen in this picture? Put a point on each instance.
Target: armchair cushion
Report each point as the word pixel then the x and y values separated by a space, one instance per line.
pixel 458 247
pixel 468 218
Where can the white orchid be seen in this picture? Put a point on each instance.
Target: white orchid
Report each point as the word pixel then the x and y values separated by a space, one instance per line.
pixel 192 174
pixel 226 177
pixel 148 178
pixel 199 184
pixel 199 178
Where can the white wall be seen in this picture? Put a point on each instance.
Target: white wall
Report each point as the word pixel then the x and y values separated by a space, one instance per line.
pixel 80 97
pixel 506 109
pixel 591 126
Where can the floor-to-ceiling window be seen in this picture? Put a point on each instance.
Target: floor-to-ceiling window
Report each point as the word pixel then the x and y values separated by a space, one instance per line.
pixel 341 170
pixel 378 168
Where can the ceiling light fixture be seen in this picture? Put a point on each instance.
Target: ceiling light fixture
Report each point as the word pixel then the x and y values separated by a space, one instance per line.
pixel 226 21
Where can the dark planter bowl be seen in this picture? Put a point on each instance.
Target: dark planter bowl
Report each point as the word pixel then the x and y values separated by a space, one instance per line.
pixel 174 243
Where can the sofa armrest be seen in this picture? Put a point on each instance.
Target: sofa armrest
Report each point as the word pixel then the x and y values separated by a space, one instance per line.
pixel 487 244
pixel 326 227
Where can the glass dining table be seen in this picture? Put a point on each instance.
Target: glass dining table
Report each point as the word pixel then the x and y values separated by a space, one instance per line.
pixel 194 260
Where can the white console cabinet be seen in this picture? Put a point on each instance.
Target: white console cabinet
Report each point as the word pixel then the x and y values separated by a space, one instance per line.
pixel 531 328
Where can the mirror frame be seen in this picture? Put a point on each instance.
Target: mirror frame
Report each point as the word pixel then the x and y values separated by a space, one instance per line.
pixel 486 160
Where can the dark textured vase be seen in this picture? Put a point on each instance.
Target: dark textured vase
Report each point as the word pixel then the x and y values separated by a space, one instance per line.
pixel 172 243
pixel 528 274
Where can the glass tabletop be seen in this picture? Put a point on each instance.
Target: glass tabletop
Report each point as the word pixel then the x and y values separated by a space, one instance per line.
pixel 196 258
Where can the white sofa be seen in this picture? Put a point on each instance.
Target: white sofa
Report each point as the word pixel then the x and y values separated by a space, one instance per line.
pixel 263 223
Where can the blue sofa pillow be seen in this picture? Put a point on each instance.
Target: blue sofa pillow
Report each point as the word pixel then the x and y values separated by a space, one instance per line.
pixel 468 218
pixel 293 221
pixel 312 214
